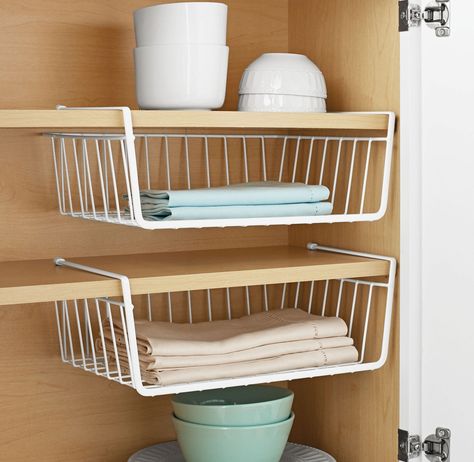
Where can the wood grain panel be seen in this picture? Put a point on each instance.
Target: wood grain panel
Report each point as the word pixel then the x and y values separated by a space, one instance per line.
pixel 41 281
pixel 356 45
pixel 79 53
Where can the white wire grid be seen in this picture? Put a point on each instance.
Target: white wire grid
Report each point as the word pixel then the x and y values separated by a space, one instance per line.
pixel 94 172
pixel 365 305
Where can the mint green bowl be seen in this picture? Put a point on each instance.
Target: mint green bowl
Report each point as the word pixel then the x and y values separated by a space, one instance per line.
pixel 207 443
pixel 236 406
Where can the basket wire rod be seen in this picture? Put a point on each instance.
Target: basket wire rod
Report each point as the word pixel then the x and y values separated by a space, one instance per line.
pixel 167 159
pixel 84 176
pixel 61 334
pixel 126 341
pixel 86 334
pixel 129 319
pixel 101 180
pixel 208 170
pixel 282 159
pixel 131 202
pixel 339 297
pixel 325 298
pixel 228 303
pixel 85 152
pixel 186 153
pixel 114 339
pixel 310 298
pixel 114 181
pixel 91 335
pixel 387 163
pixel 246 164
pixel 170 308
pixel 190 308
pixel 102 338
pixel 226 159
pixel 265 297
pixel 297 294
pixel 56 174
pixel 366 324
pixel 366 173
pixel 295 162
pixel 147 160
pixel 366 283
pixel 351 171
pixel 354 301
pixel 106 172
pixel 149 307
pixel 310 158
pixel 68 183
pixel 209 305
pixel 336 171
pixel 247 300
pixel 264 158
pixel 283 296
pixel 68 324
pixel 78 175
pixel 323 161
pixel 61 164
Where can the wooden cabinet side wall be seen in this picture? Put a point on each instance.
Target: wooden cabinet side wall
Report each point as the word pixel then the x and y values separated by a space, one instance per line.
pixel 356 45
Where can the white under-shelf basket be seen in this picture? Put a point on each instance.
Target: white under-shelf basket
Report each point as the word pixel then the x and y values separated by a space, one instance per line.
pixel 365 304
pixel 96 171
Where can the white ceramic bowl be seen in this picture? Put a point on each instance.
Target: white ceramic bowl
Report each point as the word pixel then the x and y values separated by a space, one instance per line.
pixel 181 76
pixel 281 103
pixel 283 74
pixel 199 23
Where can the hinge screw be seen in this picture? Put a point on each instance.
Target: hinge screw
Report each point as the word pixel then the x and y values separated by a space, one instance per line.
pixel 442 433
pixel 417 447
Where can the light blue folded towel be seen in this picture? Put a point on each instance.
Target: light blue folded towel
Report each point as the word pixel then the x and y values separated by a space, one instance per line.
pixel 158 213
pixel 258 193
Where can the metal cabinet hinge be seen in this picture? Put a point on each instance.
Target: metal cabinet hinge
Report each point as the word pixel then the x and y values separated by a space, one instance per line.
pixel 436 15
pixel 436 447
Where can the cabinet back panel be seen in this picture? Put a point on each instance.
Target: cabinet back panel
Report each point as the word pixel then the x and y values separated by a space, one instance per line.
pixel 356 45
pixel 80 53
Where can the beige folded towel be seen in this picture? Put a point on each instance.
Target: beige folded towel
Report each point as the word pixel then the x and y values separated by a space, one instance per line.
pixel 220 337
pixel 282 363
pixel 149 362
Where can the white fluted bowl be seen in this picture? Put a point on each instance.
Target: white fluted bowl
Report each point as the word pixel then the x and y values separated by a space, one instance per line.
pixel 283 74
pixel 281 103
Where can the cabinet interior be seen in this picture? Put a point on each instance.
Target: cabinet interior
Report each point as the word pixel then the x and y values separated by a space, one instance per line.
pixel 79 54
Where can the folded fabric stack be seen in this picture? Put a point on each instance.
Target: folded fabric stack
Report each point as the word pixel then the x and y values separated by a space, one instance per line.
pixel 266 342
pixel 245 200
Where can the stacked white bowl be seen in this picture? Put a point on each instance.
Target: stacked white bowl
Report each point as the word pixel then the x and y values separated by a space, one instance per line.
pixel 181 56
pixel 282 82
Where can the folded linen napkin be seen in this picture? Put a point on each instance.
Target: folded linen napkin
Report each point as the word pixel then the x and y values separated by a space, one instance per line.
pixel 159 338
pixel 154 212
pixel 293 361
pixel 253 193
pixel 149 362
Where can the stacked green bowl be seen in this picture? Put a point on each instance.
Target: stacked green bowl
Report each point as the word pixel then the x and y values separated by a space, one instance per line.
pixel 250 424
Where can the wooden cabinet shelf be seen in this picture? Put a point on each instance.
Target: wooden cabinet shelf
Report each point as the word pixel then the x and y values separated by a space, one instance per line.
pixel 54 119
pixel 42 281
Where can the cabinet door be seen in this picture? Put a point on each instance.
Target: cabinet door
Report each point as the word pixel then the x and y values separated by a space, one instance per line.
pixel 437 255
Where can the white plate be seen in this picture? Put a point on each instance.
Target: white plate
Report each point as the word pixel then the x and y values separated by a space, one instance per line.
pixel 170 452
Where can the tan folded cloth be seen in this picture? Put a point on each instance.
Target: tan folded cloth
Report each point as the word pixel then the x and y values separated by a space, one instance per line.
pixel 149 362
pixel 289 362
pixel 220 337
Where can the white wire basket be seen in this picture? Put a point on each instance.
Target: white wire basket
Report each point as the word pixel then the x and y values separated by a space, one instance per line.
pixel 364 304
pixel 100 176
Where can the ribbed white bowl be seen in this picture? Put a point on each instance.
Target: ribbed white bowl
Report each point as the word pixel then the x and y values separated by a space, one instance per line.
pixel 281 103
pixel 283 74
